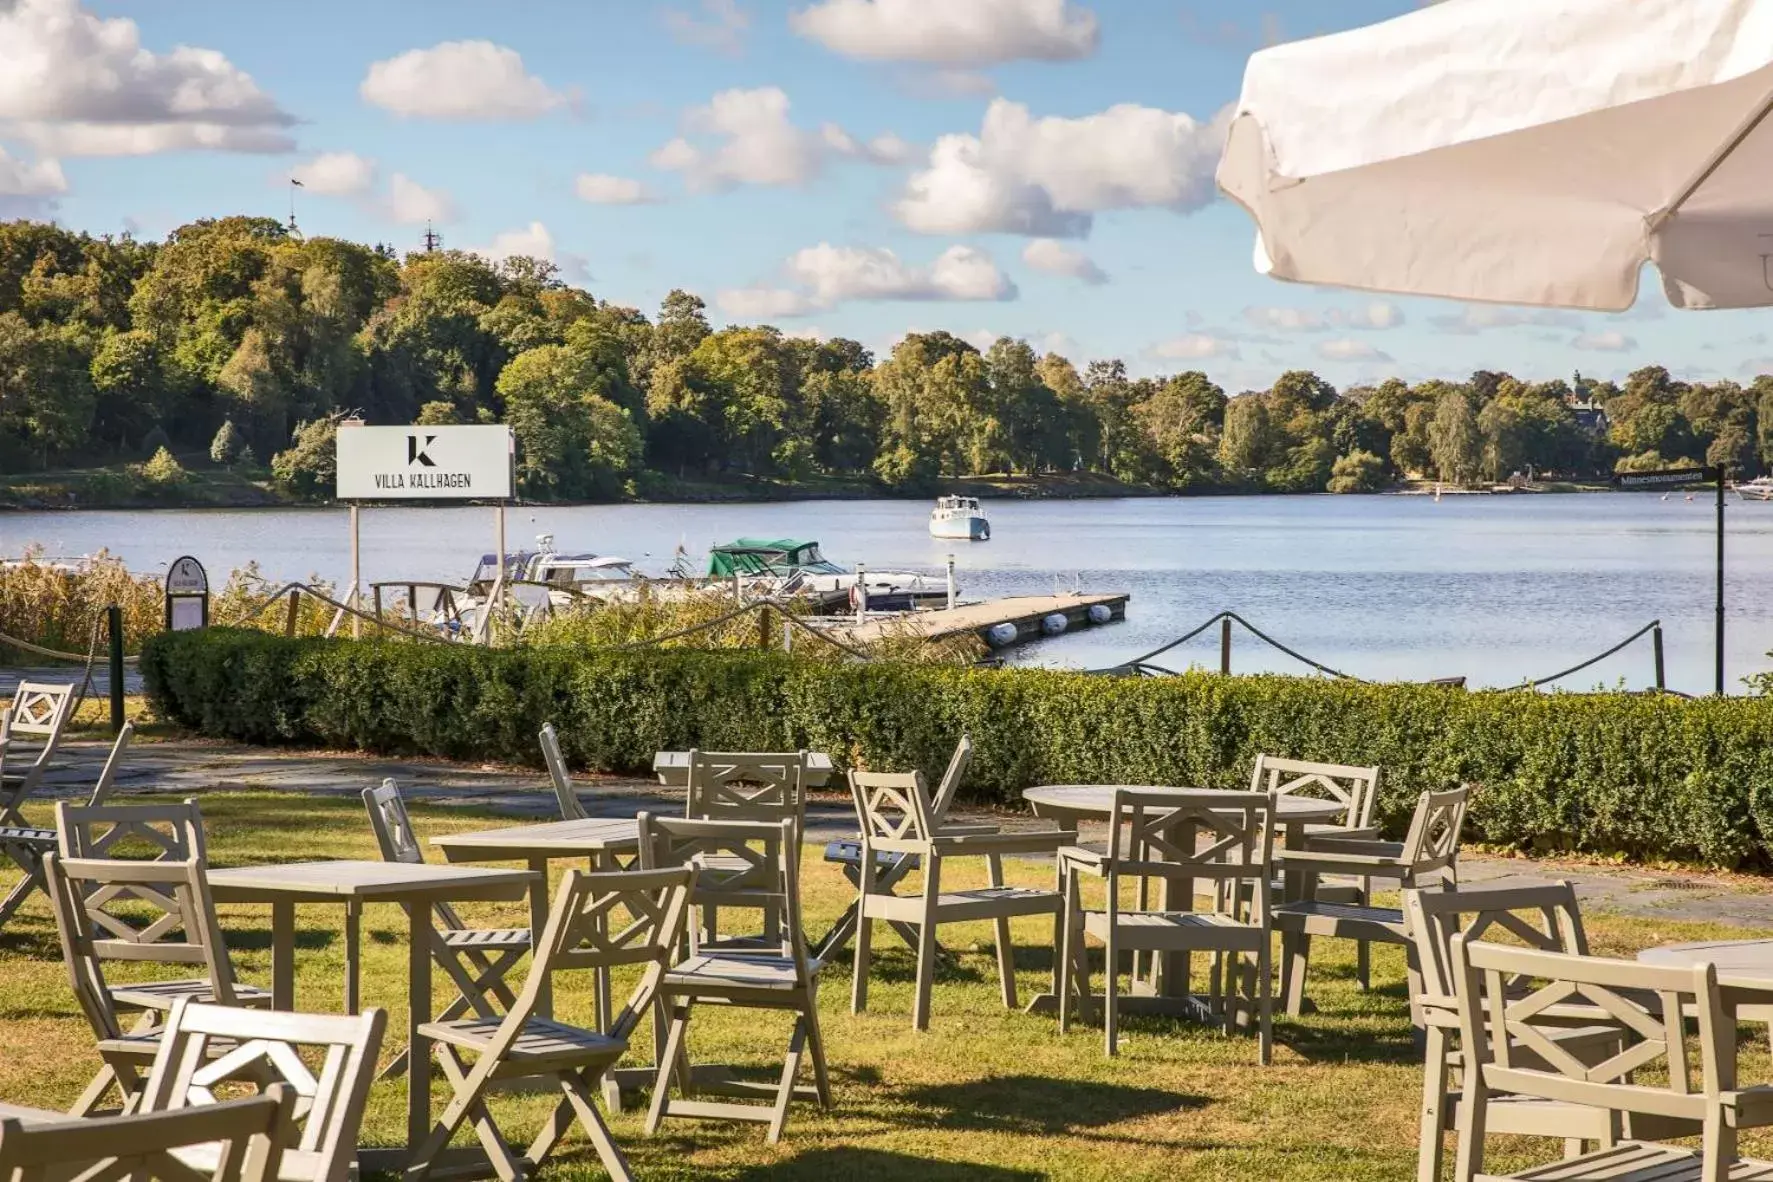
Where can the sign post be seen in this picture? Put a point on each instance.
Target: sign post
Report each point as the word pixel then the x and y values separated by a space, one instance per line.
pixel 450 463
pixel 187 595
pixel 1675 477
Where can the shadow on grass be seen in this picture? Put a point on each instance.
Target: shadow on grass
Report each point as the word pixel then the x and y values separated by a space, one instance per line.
pixel 1033 1105
pixel 1345 1043
pixel 848 1163
pixel 307 939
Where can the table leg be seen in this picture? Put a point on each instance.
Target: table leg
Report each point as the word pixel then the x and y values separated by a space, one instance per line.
pixel 283 955
pixel 1293 881
pixel 353 955
pixel 538 921
pixel 605 1006
pixel 418 1003
pixel 1170 971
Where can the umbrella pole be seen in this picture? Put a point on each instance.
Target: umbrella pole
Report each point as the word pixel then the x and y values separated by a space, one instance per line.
pixel 1720 607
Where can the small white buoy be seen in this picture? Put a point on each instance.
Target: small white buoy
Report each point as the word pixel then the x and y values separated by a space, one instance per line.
pixel 999 635
pixel 1100 613
pixel 1055 624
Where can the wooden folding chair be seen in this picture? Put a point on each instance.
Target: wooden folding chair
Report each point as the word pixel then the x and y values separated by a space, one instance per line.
pixel 586 930
pixel 1429 854
pixel 750 865
pixel 890 869
pixel 564 793
pixel 207 1050
pixel 34 727
pixel 160 912
pixel 1511 997
pixel 27 846
pixel 244 1138
pixel 898 817
pixel 1161 845
pixel 476 959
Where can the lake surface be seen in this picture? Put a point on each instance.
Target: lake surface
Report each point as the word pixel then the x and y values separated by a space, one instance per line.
pixel 1499 589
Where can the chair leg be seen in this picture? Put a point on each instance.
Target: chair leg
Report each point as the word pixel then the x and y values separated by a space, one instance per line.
pixel 1295 955
pixel 815 1039
pixel 1264 984
pixel 926 946
pixel 1434 1106
pixel 1111 998
pixel 1067 949
pixel 1006 951
pixel 460 1106
pixel 864 934
pixel 592 1121
pixel 668 1064
pixel 32 881
pixel 785 1091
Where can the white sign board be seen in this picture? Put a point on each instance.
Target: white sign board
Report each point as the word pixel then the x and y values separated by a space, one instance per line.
pixel 186 577
pixel 424 463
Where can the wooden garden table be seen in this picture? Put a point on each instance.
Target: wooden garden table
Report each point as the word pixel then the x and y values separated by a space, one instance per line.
pixel 353 883
pixel 1745 972
pixel 1168 992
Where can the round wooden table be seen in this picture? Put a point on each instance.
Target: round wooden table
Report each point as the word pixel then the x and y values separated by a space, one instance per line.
pixel 1745 972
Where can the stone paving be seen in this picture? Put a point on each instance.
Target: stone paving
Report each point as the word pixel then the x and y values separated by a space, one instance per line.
pixel 194 767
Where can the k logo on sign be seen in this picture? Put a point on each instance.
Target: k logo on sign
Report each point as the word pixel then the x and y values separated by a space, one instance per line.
pixel 415 451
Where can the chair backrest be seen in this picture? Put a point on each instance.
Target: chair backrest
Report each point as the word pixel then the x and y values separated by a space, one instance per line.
pixel 894 806
pixel 328 1061
pixel 40 711
pixel 747 786
pixel 1354 788
pixel 392 824
pixel 1509 1034
pixel 110 909
pixel 744 865
pixel 1545 916
pixel 1162 833
pixel 167 832
pixel 245 1138
pixel 606 920
pixel 1432 845
pixel 949 788
pixel 101 791
pixel 570 808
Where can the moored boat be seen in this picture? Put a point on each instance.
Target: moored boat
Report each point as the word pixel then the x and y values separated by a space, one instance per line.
pixel 961 518
pixel 790 566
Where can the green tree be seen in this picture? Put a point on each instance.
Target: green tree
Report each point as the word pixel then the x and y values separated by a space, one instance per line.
pixel 1357 472
pixel 227 445
pixel 1250 440
pixel 571 442
pixel 308 468
pixel 437 414
pixel 1454 440
pixel 163 471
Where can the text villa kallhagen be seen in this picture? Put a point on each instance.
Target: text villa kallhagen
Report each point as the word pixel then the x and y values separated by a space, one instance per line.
pixel 394 480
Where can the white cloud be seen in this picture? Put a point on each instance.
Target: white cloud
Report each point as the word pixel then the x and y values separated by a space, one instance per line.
pixel 1350 349
pixel 411 203
pixel 464 80
pixel 1194 346
pixel 74 84
pixel 947 84
pixel 755 143
pixel 41 178
pixel 950 32
pixel 721 27
pixel 764 303
pixel 1474 318
pixel 536 242
pixel 1377 314
pixel 337 174
pixel 1606 341
pixel 603 189
pixel 825 276
pixel 1046 177
pixel 1055 258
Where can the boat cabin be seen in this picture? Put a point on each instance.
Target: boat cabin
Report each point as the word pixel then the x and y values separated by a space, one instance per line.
pixel 784 556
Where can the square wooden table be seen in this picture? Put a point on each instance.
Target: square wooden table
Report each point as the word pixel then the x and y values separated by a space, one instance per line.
pixel 352 883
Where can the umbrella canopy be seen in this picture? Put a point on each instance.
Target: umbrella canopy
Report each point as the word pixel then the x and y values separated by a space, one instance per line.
pixel 1520 151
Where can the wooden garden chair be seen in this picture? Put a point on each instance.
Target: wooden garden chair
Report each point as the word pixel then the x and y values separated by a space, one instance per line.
pixel 476 959
pixel 34 728
pixel 889 869
pixel 111 910
pixel 1511 997
pixel 751 865
pixel 163 831
pixel 599 921
pixel 27 845
pixel 244 1138
pixel 898 817
pixel 1157 840
pixel 1429 854
pixel 745 786
pixel 327 1061
pixel 564 793
pixel 1546 917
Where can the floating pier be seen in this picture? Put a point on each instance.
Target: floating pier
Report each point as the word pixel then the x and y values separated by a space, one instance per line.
pixel 1033 617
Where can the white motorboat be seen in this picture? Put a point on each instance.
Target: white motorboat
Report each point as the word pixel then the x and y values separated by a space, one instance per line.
pixel 959 517
pixel 1760 488
pixel 544 580
pixel 793 567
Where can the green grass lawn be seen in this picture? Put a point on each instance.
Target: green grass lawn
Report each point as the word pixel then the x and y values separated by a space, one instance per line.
pixel 984 1094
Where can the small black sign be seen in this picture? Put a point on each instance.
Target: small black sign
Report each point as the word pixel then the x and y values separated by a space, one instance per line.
pixel 1661 479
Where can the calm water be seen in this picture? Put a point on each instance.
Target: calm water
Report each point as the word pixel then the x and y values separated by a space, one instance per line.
pixel 1498 589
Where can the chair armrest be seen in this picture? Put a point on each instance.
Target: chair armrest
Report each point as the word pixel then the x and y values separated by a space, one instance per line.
pixel 1749 1108
pixel 1357 834
pixel 1333 862
pixel 966 828
pixel 981 844
pixel 1082 857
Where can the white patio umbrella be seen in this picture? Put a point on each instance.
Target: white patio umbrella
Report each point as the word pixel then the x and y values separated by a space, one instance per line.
pixel 1521 151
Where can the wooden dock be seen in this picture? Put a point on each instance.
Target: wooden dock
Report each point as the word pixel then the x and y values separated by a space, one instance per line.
pixel 1028 613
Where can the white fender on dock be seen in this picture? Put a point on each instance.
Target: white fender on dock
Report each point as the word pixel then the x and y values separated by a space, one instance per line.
pixel 1055 624
pixel 999 635
pixel 1100 613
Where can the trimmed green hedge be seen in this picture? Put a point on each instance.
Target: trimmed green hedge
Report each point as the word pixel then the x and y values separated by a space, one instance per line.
pixel 1649 777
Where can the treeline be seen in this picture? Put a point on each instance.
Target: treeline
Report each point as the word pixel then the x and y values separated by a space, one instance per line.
pixel 237 340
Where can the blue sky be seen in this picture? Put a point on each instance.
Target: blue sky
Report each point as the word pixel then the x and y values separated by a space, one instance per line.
pixel 1075 208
